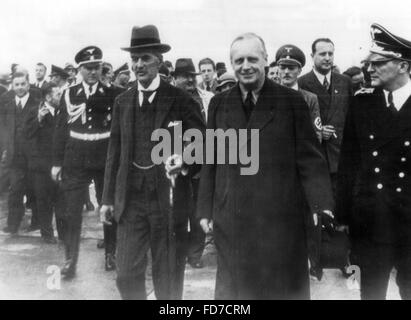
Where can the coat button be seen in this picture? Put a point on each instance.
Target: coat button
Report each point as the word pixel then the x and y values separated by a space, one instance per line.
pixel 89 110
pixel 375 153
pixel 371 137
pixel 398 189
pixel 403 159
pixel 379 186
pixel 377 170
pixel 89 127
pixel 407 143
pixel 401 174
pixel 109 108
pixel 89 118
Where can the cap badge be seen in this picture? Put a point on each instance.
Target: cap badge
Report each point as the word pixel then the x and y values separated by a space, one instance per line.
pixel 288 49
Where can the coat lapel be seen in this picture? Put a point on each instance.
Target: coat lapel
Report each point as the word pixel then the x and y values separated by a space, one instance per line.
pixel 164 103
pixel 336 90
pixel 264 109
pixel 321 93
pixel 128 116
pixel 234 113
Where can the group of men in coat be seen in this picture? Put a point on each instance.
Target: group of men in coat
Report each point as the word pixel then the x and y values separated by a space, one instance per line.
pixel 350 158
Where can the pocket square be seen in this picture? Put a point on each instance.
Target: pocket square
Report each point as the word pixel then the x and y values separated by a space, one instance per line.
pixel 172 124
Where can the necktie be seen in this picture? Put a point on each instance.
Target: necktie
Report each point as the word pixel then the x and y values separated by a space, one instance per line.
pixel 208 88
pixel 391 105
pixel 326 85
pixel 19 106
pixel 248 105
pixel 146 103
pixel 90 90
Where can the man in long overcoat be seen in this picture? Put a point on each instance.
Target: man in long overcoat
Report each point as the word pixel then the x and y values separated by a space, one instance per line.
pixel 258 219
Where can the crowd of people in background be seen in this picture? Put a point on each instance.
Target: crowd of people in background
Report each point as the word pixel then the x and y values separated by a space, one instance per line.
pixel 90 124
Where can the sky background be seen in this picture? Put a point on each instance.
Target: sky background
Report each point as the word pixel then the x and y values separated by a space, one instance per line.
pixel 53 31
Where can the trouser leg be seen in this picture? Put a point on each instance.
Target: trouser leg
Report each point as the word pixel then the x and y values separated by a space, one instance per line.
pixel 18 184
pixel 75 185
pixel 60 211
pixel 43 191
pixel 196 235
pixel 376 262
pixel 403 266
pixel 133 241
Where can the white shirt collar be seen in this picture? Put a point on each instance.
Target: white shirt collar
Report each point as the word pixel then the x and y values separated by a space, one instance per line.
pixel 87 89
pixel 399 96
pixel 295 86
pixel 40 83
pixel 50 108
pixel 152 87
pixel 321 77
pixel 23 100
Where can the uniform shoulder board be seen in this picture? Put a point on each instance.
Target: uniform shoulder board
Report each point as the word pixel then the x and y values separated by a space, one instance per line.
pixel 364 91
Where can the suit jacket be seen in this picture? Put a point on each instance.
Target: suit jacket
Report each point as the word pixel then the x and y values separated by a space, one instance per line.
pixel 173 104
pixel 333 109
pixel 213 86
pixel 374 179
pixel 40 135
pixel 95 119
pixel 42 86
pixel 259 220
pixel 8 106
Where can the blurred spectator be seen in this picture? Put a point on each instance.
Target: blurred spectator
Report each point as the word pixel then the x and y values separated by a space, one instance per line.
pixel 357 77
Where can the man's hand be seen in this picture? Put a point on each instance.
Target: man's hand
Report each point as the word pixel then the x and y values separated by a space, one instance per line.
pixel 42 113
pixel 56 174
pixel 106 214
pixel 343 228
pixel 328 132
pixel 3 156
pixel 174 165
pixel 327 219
pixel 206 225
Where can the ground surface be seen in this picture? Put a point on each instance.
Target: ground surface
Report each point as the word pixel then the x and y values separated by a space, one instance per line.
pixel 24 261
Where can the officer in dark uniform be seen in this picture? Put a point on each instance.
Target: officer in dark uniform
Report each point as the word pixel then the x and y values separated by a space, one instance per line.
pixel 374 180
pixel 80 147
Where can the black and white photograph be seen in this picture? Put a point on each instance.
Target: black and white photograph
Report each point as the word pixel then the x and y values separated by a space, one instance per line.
pixel 205 150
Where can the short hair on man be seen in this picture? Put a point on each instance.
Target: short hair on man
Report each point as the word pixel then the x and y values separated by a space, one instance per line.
pixel 41 64
pixel 273 64
pixel 105 68
pixel 168 64
pixel 352 71
pixel 250 35
pixel 313 46
pixel 206 61
pixel 20 74
pixel 48 89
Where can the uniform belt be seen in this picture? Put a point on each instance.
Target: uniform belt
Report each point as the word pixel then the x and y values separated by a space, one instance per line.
pixel 143 167
pixel 90 136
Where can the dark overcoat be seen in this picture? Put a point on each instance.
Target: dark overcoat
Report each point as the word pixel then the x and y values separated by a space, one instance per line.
pixel 259 220
pixel 172 105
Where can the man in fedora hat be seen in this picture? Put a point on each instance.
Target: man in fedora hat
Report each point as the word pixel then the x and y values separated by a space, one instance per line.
pixel 136 191
pixel 374 186
pixel 185 77
pixel 80 148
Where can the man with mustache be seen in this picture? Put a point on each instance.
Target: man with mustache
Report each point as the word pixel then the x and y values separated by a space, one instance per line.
pixel 290 61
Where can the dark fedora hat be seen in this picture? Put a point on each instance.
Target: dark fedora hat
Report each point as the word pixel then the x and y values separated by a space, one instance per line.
pixel 184 66
pixel 146 37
